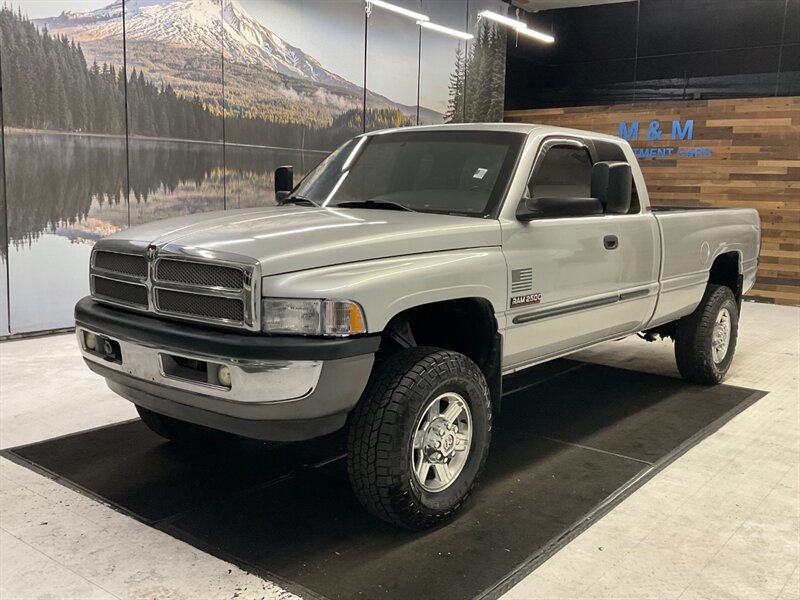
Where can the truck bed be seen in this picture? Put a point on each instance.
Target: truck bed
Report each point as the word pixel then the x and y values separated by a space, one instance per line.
pixel 692 238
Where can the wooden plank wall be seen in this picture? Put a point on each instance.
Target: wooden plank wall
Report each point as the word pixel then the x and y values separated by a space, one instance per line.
pixel 755 162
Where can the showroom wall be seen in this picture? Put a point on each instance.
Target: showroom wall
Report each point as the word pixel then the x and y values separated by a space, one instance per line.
pixel 647 69
pixel 115 115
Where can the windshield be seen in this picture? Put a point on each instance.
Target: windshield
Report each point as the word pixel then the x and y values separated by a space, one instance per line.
pixel 450 172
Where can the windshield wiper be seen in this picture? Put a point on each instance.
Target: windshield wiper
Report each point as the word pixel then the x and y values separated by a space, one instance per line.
pixel 377 204
pixel 302 200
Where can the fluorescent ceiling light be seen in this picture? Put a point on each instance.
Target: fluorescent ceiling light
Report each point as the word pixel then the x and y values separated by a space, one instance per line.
pixel 519 26
pixel 447 30
pixel 502 19
pixel 542 37
pixel 399 10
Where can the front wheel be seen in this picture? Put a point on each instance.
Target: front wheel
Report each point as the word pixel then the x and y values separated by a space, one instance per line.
pixel 706 339
pixel 419 436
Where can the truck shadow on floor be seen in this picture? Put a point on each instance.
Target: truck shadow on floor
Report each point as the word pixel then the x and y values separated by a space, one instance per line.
pixel 570 440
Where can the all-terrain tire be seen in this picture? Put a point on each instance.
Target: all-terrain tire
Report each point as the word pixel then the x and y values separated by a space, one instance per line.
pixel 695 337
pixel 382 432
pixel 175 430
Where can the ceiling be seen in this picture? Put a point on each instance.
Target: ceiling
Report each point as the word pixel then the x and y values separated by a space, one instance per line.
pixel 536 5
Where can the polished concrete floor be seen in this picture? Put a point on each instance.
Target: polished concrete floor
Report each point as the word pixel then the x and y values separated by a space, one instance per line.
pixel 723 521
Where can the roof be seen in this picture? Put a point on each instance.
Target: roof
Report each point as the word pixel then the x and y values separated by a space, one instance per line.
pixel 526 128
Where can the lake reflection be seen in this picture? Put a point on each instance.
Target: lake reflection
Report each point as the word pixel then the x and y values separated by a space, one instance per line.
pixel 65 191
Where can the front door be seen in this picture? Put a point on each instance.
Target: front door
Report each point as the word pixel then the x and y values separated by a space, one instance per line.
pixel 564 274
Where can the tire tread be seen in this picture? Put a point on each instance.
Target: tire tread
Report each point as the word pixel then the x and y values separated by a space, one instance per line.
pixel 372 460
pixel 692 348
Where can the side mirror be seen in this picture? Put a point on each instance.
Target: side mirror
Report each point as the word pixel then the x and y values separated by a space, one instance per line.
pixel 611 190
pixel 554 207
pixel 284 182
pixel 611 184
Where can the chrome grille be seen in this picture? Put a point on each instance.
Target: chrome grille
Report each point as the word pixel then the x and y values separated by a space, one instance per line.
pixel 124 264
pixel 195 273
pixel 120 291
pixel 198 305
pixel 186 287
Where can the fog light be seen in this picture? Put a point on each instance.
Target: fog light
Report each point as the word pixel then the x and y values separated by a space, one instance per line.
pixel 224 376
pixel 90 340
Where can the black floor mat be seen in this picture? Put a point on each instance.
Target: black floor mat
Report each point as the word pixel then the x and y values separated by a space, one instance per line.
pixel 570 440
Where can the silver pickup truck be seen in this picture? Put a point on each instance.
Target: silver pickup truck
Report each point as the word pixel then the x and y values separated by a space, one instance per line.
pixel 393 289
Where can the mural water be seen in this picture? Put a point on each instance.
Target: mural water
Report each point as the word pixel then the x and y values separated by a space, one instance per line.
pixel 72 190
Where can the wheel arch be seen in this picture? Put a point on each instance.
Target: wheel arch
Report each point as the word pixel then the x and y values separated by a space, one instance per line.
pixel 466 325
pixel 726 270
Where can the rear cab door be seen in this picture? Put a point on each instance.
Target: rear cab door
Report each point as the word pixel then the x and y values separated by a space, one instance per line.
pixel 639 244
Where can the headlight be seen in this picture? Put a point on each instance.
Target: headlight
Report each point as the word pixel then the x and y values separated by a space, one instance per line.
pixel 312 317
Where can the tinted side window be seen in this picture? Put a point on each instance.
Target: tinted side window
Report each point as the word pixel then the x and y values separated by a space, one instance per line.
pixel 564 172
pixel 636 206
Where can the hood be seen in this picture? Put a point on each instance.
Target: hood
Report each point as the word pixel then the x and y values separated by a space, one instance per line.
pixel 292 238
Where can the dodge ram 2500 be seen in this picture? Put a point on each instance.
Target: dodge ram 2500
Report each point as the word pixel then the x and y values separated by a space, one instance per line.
pixel 395 286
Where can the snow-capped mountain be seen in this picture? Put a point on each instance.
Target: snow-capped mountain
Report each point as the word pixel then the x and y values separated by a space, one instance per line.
pixel 195 24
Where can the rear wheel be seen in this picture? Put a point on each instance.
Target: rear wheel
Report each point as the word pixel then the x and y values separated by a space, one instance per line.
pixel 174 430
pixel 419 436
pixel 706 340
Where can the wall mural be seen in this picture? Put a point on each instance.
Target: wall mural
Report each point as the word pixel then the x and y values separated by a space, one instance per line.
pixel 4 328
pixel 65 162
pixel 477 80
pixel 218 94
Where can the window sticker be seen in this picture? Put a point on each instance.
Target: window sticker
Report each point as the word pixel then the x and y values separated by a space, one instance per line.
pixel 480 173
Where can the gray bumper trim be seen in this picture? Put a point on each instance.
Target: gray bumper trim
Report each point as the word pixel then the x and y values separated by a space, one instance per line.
pixel 273 431
pixel 324 410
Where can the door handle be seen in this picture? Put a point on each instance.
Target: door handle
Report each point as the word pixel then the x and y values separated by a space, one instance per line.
pixel 610 242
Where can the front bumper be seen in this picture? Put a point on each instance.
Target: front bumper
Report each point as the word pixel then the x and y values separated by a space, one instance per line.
pixel 282 388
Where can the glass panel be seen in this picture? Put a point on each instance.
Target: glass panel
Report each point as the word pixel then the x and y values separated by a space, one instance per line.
pixel 251 172
pixel 301 87
pixel 789 76
pixel 64 118
pixel 485 64
pixel 392 69
pixel 174 57
pixel 441 85
pixel 4 330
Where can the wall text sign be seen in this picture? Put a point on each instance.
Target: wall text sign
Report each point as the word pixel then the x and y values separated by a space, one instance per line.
pixel 656 132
